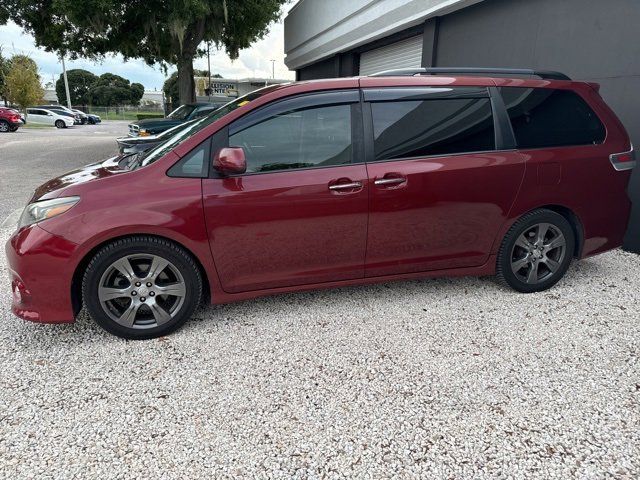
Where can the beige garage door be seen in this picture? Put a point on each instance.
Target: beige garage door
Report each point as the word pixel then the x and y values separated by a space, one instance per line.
pixel 404 54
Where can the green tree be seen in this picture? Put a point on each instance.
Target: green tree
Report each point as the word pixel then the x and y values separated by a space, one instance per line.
pixel 4 14
pixel 22 83
pixel 80 83
pixel 137 91
pixel 170 89
pixel 159 32
pixel 110 89
pixel 4 71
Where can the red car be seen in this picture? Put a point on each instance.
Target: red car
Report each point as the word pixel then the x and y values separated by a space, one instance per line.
pixel 10 120
pixel 332 183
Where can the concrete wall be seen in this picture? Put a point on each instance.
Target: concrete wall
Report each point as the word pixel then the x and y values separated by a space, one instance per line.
pixel 587 39
pixel 315 30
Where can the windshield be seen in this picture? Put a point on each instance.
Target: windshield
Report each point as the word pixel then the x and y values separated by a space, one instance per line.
pixel 173 130
pixel 182 112
pixel 194 127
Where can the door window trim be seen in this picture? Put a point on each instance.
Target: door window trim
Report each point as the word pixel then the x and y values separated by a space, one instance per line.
pixel 322 98
pixel 504 136
pixel 298 102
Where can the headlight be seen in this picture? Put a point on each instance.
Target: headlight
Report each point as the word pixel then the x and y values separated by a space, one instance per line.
pixel 143 133
pixel 37 211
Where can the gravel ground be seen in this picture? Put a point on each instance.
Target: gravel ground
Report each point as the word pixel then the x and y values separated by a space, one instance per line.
pixel 447 378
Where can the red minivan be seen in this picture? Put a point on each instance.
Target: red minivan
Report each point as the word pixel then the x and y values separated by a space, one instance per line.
pixel 406 174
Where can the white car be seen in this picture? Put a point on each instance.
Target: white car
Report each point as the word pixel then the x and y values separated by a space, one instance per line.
pixel 49 117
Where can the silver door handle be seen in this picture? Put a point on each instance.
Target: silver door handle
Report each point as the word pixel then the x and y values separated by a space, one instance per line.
pixel 390 181
pixel 345 186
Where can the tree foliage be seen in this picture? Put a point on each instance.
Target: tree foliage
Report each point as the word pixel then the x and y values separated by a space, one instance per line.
pixel 4 14
pixel 22 83
pixel 80 85
pixel 170 89
pixel 110 89
pixel 4 71
pixel 159 32
pixel 107 90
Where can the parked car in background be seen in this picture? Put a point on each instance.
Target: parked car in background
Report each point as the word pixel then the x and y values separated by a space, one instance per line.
pixel 331 183
pixel 182 114
pixel 93 119
pixel 84 118
pixel 55 118
pixel 10 120
pixel 128 145
pixel 59 108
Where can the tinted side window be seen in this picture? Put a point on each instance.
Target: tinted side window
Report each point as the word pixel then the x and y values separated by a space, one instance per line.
pixel 543 117
pixel 404 129
pixel 192 165
pixel 311 137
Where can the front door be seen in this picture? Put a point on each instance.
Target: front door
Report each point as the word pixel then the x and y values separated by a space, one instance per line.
pixel 299 214
pixel 440 191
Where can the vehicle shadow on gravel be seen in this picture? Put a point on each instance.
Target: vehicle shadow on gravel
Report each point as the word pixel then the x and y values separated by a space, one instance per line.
pixel 354 302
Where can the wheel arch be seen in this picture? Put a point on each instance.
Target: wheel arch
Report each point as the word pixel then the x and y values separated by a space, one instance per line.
pixel 76 279
pixel 574 221
pixel 566 212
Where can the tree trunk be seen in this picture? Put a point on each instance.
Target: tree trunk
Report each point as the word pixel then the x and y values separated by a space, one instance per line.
pixel 186 83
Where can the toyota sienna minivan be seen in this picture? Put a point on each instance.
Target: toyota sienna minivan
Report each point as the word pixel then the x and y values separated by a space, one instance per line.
pixel 400 175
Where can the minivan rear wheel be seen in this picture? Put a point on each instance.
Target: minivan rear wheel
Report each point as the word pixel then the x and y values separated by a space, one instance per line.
pixel 536 251
pixel 60 124
pixel 141 287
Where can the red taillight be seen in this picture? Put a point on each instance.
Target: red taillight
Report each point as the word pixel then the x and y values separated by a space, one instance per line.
pixel 624 160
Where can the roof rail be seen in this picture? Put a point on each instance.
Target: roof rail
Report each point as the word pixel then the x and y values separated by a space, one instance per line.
pixel 410 72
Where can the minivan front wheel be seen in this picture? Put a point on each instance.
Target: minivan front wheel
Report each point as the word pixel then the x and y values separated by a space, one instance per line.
pixel 141 287
pixel 536 252
pixel 4 126
pixel 60 124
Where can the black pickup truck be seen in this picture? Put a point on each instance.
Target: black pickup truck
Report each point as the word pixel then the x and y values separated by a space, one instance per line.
pixel 182 114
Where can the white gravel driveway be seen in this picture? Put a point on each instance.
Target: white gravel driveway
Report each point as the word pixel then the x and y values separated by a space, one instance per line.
pixel 433 379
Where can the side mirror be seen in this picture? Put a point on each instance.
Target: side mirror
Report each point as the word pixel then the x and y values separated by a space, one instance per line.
pixel 230 161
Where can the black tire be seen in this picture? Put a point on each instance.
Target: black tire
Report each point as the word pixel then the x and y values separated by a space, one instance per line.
pixel 142 246
pixel 550 265
pixel 60 124
pixel 4 126
pixel 13 129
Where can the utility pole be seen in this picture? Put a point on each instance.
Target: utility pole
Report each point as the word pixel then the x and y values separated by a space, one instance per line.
pixel 273 69
pixel 66 82
pixel 209 68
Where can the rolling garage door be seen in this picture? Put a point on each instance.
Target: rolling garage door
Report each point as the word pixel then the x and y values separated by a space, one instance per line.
pixel 404 54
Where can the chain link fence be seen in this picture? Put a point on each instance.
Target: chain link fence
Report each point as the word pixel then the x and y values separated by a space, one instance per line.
pixel 125 112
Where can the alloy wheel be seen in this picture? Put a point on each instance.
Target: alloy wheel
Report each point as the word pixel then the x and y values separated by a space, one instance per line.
pixel 4 127
pixel 141 291
pixel 538 253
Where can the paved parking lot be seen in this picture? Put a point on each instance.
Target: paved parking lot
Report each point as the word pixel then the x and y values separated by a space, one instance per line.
pixel 448 378
pixel 32 155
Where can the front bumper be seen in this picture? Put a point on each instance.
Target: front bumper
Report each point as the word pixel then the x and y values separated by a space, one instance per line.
pixel 41 271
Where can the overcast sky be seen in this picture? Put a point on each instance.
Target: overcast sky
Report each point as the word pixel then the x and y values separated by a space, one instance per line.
pixel 254 61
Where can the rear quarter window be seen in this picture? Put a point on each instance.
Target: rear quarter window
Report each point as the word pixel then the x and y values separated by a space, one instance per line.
pixel 410 129
pixel 544 117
